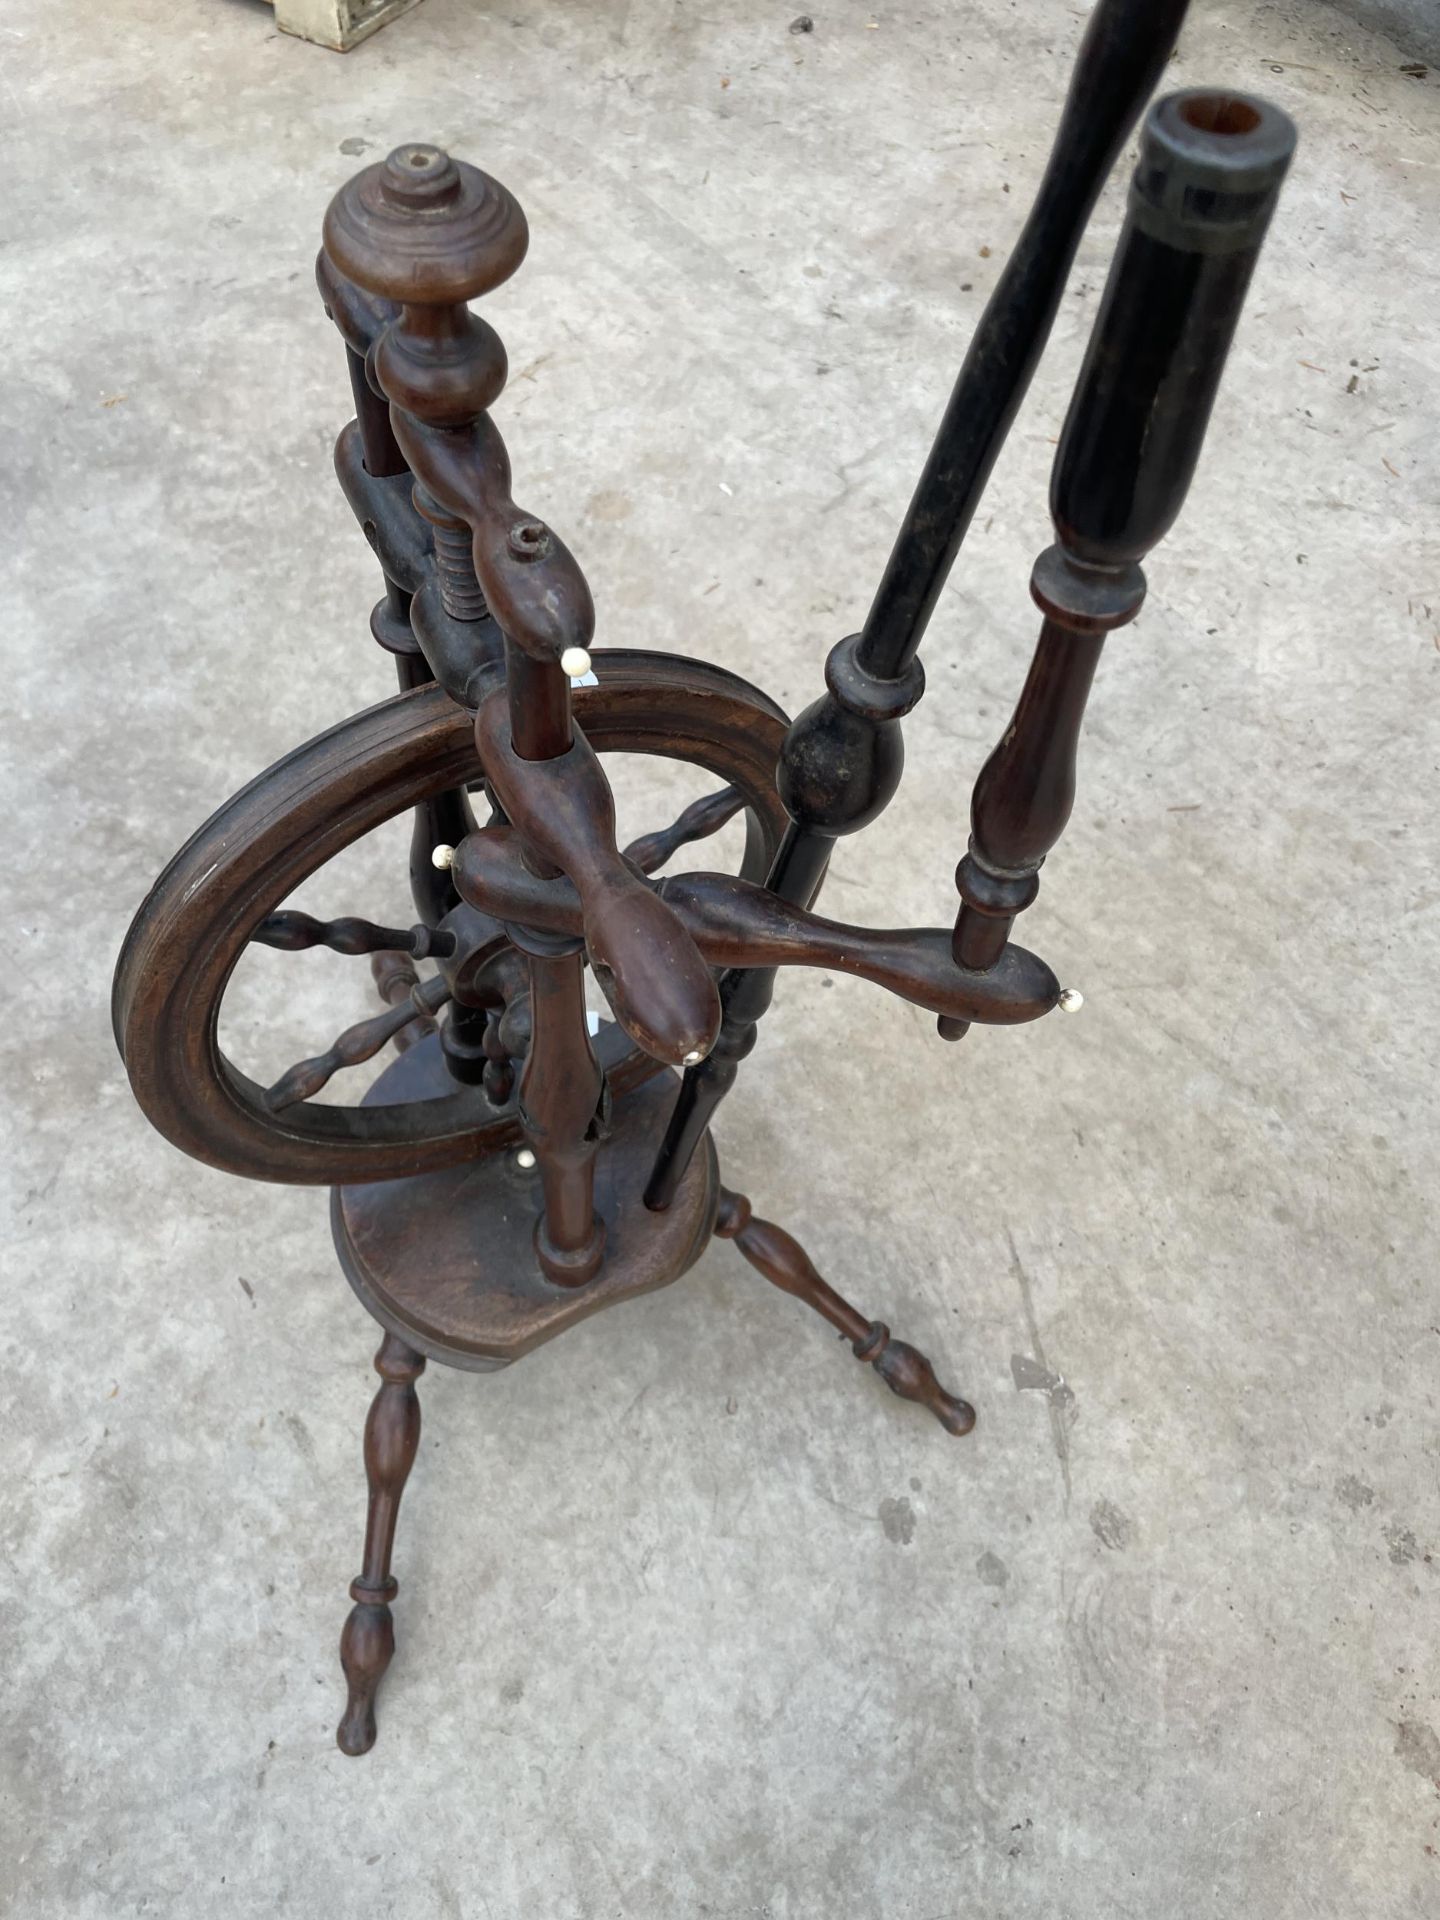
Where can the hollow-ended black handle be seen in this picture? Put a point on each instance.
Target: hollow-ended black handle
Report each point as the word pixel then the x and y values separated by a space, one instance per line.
pixel 1210 169
pixel 1209 172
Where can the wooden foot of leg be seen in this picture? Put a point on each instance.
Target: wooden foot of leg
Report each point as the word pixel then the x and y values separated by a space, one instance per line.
pixel 785 1264
pixel 392 1434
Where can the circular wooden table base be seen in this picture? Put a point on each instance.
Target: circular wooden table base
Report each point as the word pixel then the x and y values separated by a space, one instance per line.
pixel 446 1260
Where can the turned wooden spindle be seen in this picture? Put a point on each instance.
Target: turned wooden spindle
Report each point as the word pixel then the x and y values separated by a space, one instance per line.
pixel 294 932
pixel 562 1093
pixel 396 979
pixel 356 1044
pixel 504 987
pixel 1204 188
pixel 367 1642
pixel 785 1264
pixel 1026 789
pixel 458 585
pixel 432 234
pixel 498 1077
pixel 362 317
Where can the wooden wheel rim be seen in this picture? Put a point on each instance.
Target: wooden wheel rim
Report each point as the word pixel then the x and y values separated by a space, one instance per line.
pixel 199 916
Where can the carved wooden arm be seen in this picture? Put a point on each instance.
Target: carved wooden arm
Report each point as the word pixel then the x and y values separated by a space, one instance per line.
pixel 651 971
pixel 735 924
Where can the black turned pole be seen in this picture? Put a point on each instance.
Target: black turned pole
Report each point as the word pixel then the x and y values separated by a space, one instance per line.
pixel 1209 173
pixel 843 756
pixel 1121 59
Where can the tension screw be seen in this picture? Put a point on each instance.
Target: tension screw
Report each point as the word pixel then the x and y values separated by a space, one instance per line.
pixel 525 1159
pixel 444 859
pixel 575 663
pixel 1071 1000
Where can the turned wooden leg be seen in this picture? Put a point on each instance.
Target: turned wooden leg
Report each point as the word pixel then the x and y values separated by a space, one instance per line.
pixel 367 1643
pixel 785 1264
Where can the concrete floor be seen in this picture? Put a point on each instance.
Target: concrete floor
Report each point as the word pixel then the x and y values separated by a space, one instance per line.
pixel 694 1618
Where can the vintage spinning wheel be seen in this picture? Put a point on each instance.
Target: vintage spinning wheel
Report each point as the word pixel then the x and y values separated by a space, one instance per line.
pixel 222 889
pixel 515 1167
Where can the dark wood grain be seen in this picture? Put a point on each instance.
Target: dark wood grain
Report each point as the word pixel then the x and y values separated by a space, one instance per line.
pixel 563 1111
pixel 699 820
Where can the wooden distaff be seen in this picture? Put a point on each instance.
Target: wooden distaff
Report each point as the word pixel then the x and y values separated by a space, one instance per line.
pixel 843 756
pixel 1209 173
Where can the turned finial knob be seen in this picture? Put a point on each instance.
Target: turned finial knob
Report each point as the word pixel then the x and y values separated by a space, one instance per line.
pixel 443 858
pixel 430 233
pixel 424 229
pixel 1071 1000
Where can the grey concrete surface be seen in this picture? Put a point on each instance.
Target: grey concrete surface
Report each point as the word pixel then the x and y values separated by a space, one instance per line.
pixel 694 1618
pixel 1413 25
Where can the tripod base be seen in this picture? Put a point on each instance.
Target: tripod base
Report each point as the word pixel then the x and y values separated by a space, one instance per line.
pixel 446 1260
pixel 446 1263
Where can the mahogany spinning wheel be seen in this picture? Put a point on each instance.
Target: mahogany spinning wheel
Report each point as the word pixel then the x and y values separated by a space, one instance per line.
pixel 519 1165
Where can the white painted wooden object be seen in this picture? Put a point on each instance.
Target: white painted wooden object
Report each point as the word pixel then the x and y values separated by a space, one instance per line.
pixel 340 24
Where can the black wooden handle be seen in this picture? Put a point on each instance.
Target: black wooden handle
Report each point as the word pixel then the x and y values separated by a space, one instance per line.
pixel 1210 169
pixel 1209 173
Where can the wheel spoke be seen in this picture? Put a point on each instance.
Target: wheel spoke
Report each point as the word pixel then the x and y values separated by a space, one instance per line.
pixel 293 931
pixel 700 819
pixel 358 1043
